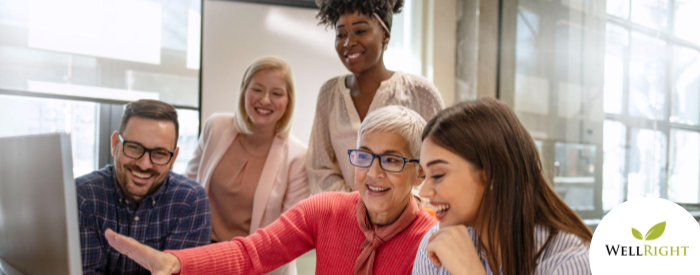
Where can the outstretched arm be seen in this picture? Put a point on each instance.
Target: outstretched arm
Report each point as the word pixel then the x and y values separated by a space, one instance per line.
pixel 284 240
pixel 158 263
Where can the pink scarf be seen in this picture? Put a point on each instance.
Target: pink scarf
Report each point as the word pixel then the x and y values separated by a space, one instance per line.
pixel 376 236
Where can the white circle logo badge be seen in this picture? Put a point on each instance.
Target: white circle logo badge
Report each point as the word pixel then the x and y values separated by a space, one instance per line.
pixel 646 236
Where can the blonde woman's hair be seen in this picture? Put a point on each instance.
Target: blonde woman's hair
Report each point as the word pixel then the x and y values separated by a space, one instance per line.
pixel 242 123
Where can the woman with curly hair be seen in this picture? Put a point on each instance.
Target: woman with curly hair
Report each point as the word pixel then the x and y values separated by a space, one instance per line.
pixel 363 30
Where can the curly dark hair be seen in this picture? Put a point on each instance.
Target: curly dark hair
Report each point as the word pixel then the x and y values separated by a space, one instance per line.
pixel 331 10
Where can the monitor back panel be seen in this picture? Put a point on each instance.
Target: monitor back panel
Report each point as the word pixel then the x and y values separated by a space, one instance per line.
pixel 39 231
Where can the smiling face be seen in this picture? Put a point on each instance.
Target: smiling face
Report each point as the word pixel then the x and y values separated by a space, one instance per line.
pixel 139 178
pixel 266 98
pixel 359 41
pixel 385 194
pixel 453 185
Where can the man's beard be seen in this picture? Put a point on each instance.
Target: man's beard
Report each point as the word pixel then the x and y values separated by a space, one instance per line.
pixel 130 188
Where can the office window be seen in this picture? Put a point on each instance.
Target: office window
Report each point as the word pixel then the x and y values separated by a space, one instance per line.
pixel 611 93
pixel 63 64
pixel 663 97
pixel 29 115
pixel 189 136
pixel 405 49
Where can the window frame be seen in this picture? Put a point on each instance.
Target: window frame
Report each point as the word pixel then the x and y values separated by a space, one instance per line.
pixel 665 126
pixel 506 71
pixel 108 115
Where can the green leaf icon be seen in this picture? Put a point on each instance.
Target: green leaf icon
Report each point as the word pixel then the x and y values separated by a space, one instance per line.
pixel 656 231
pixel 637 234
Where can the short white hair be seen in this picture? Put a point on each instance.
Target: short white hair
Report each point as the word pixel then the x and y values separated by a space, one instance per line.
pixel 395 119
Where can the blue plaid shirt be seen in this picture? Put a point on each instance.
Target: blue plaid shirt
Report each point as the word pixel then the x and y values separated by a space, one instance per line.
pixel 176 216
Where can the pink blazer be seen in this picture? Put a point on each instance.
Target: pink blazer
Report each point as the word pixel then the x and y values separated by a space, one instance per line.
pixel 283 181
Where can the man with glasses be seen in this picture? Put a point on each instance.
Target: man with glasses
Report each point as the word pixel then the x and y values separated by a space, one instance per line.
pixel 139 196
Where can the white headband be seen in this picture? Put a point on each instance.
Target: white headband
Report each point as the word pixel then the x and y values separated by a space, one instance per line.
pixel 382 22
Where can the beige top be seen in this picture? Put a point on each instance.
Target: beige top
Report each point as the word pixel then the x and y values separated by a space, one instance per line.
pixel 336 123
pixel 232 192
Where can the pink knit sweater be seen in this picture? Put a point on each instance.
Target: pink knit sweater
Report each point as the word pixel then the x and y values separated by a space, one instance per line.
pixel 326 222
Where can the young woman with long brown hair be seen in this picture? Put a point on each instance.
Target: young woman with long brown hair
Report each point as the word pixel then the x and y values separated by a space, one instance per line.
pixel 498 214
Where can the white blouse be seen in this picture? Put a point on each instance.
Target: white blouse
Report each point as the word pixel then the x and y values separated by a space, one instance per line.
pixel 336 124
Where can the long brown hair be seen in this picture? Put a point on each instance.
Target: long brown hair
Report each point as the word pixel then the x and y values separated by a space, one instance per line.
pixel 487 133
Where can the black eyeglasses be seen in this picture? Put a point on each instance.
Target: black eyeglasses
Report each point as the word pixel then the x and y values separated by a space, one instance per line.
pixel 135 150
pixel 389 163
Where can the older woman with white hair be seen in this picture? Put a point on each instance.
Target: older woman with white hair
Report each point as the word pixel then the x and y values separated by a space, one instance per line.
pixel 375 230
pixel 250 165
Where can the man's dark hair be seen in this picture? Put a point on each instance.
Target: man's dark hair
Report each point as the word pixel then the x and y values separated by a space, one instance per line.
pixel 153 109
pixel 331 10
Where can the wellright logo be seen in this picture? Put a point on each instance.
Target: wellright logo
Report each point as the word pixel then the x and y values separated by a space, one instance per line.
pixel 654 233
pixel 646 236
pixel 648 250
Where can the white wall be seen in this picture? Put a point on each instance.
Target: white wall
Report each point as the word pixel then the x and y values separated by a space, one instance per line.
pixel 237 33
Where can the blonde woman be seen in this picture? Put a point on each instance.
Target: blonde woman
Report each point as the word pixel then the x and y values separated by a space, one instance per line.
pixel 251 166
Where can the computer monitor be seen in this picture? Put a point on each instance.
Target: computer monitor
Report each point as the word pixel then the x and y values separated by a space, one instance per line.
pixel 39 231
